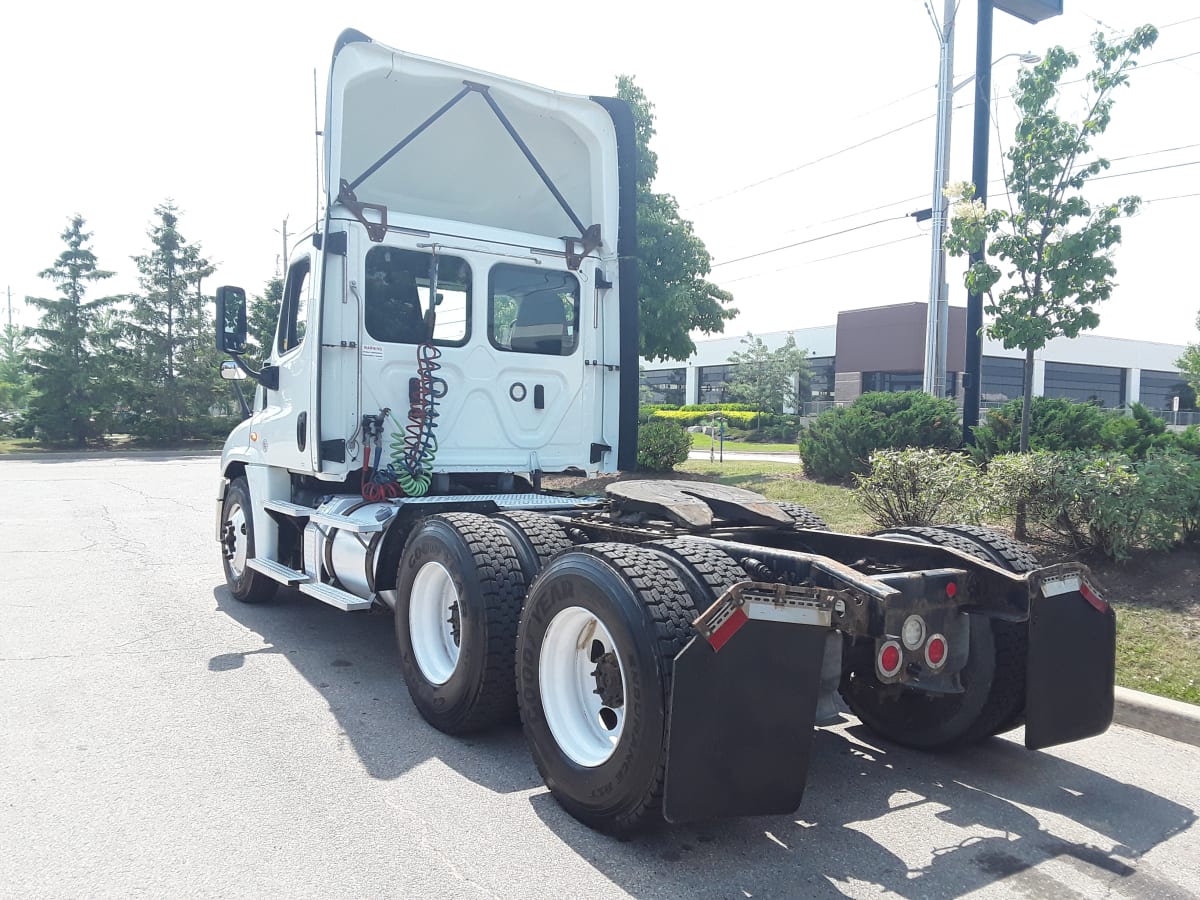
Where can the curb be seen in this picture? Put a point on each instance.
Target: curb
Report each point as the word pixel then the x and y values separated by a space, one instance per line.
pixel 84 455
pixel 1157 715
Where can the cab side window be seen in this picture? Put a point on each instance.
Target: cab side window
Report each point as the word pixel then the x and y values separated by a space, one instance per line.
pixel 293 311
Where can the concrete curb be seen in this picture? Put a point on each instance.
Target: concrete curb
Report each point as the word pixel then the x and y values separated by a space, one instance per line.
pixel 1157 715
pixel 84 455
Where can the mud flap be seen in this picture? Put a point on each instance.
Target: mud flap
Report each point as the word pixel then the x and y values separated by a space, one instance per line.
pixel 741 721
pixel 1071 667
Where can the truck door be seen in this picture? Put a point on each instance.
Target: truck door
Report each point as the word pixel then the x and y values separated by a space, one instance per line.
pixel 284 425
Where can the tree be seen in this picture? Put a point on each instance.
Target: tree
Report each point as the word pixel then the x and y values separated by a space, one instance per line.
pixel 172 334
pixel 67 401
pixel 1055 244
pixel 674 297
pixel 1189 364
pixel 14 377
pixel 261 318
pixel 772 380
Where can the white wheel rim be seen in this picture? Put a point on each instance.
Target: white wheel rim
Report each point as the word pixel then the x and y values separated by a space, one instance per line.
pixel 236 523
pixel 586 727
pixel 433 608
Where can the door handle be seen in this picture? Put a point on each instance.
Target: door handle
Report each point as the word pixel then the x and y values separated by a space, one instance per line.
pixel 301 431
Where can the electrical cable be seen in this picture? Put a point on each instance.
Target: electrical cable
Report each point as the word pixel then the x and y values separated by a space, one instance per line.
pixel 809 262
pixel 808 241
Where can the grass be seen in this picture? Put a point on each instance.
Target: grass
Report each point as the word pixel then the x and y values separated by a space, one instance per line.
pixel 704 442
pixel 1156 651
pixel 19 445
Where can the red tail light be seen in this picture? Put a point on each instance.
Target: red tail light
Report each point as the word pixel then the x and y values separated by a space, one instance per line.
pixel 935 652
pixel 889 659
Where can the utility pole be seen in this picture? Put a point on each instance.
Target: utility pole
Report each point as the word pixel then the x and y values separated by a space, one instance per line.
pixel 10 306
pixel 283 231
pixel 934 380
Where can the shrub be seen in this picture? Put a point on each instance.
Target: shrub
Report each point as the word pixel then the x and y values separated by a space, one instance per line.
pixel 919 487
pixel 1055 424
pixel 839 442
pixel 736 418
pixel 1102 502
pixel 662 446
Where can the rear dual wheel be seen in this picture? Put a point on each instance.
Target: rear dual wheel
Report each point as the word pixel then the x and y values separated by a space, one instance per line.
pixel 595 658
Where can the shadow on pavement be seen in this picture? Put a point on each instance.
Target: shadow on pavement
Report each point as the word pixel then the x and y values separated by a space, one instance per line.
pixel 350 658
pixel 1019 804
pixel 826 847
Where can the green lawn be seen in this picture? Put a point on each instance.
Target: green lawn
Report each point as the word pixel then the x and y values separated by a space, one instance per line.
pixel 703 442
pixel 1156 651
pixel 19 445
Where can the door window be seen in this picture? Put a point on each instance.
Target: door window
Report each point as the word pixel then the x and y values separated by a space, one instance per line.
pixel 397 297
pixel 533 310
pixel 293 311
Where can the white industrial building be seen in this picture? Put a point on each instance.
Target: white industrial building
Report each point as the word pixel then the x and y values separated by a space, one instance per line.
pixel 882 349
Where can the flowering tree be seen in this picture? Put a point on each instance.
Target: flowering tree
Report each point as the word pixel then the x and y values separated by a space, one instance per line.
pixel 1055 245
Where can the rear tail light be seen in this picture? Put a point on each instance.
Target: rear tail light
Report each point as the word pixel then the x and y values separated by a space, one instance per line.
pixel 889 659
pixel 913 632
pixel 935 652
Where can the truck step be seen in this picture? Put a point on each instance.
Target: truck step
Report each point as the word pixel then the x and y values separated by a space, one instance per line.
pixel 295 510
pixel 343 600
pixel 328 520
pixel 281 573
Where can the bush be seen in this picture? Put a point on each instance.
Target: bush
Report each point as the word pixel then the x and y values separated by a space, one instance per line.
pixel 735 418
pixel 919 487
pixel 839 442
pixel 662 446
pixel 1102 502
pixel 1055 424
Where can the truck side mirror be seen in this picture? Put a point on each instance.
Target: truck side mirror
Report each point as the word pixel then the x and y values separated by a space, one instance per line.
pixel 231 320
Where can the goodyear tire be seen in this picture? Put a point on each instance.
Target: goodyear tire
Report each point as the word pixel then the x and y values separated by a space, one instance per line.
pixel 237 547
pixel 535 537
pixel 595 656
pixel 993 679
pixel 459 589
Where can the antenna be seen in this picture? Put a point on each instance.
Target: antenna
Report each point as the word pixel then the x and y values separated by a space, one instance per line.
pixel 317 133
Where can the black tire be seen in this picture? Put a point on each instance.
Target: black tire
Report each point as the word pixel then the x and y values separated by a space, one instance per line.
pixel 705 571
pixel 247 585
pixel 637 597
pixel 489 587
pixel 536 538
pixel 803 517
pixel 993 699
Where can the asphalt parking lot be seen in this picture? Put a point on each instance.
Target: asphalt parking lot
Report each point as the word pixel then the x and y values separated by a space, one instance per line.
pixel 158 738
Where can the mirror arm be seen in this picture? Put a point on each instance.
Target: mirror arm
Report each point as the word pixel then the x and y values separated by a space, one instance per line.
pixel 267 376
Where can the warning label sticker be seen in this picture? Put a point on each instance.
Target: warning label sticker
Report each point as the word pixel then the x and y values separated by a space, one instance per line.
pixel 372 351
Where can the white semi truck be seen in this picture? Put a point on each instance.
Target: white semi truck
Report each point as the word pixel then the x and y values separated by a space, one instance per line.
pixel 463 321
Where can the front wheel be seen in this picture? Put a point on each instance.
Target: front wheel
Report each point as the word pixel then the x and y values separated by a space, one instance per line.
pixel 595 658
pixel 237 547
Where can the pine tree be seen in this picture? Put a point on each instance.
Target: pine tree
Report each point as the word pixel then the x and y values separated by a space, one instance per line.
pixel 68 402
pixel 14 377
pixel 171 335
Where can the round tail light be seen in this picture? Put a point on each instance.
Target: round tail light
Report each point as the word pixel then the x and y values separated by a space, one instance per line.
pixel 935 652
pixel 890 658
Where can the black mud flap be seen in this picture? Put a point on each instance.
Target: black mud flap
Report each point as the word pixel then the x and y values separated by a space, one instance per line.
pixel 741 722
pixel 1071 667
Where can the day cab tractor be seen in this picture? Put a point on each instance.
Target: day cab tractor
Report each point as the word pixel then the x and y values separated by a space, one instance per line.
pixel 464 321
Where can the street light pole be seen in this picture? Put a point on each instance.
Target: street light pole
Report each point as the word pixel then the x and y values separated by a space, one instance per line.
pixel 979 176
pixel 934 379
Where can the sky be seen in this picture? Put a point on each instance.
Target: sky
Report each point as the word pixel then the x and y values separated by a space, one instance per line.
pixel 112 108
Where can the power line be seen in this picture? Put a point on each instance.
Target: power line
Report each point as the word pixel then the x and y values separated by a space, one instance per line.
pixel 812 162
pixel 810 262
pixel 1194 162
pixel 812 240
